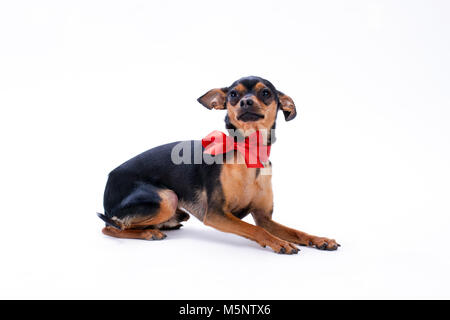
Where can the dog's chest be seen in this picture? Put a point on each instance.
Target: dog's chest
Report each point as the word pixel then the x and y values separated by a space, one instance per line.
pixel 245 188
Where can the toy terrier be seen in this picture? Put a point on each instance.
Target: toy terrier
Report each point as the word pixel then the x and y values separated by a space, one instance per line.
pixel 151 192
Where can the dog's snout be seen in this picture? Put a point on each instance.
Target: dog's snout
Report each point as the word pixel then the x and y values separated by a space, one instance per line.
pixel 246 102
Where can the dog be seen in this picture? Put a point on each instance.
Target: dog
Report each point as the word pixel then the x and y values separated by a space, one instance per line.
pixel 150 193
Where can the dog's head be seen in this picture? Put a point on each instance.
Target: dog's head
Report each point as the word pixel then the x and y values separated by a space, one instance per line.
pixel 252 104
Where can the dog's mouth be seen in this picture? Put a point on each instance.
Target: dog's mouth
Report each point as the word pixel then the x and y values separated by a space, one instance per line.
pixel 249 116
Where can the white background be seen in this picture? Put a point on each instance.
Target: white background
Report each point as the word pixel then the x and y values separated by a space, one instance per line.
pixel 86 85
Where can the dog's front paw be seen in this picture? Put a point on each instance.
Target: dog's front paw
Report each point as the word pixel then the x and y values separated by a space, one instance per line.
pixel 323 243
pixel 281 247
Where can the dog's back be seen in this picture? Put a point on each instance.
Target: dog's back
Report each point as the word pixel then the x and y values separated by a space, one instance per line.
pixel 133 187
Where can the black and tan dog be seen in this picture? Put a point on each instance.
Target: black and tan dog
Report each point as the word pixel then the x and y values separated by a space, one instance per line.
pixel 150 193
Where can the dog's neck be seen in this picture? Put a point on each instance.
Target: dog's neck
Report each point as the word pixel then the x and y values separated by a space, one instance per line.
pixel 237 134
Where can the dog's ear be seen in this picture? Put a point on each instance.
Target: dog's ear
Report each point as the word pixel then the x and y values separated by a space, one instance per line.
pixel 214 98
pixel 286 104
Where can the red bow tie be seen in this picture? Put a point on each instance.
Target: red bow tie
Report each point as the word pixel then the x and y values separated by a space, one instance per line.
pixel 253 149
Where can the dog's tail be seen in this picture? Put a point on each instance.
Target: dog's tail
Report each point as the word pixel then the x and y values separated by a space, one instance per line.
pixel 108 221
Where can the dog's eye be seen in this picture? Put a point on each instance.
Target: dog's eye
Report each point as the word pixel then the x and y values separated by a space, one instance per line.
pixel 233 94
pixel 265 93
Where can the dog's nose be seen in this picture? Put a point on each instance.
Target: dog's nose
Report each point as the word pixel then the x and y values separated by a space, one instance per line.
pixel 246 102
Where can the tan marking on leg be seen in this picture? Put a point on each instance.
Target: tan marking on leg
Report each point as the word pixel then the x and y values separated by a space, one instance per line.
pixel 147 234
pixel 168 207
pixel 231 224
pixel 295 236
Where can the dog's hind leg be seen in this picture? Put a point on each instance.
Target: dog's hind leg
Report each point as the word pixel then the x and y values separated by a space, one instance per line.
pixel 138 218
pixel 175 222
pixel 144 234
